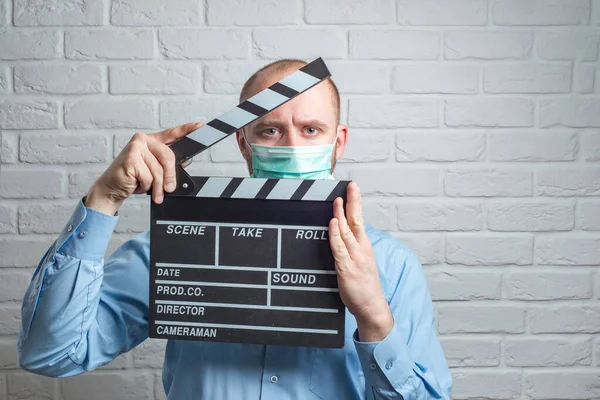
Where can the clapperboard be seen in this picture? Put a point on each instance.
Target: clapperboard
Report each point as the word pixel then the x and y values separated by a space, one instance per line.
pixel 246 260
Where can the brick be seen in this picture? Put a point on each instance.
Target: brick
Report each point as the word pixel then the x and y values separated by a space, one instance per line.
pixel 491 45
pixel 589 216
pixel 391 113
pixel 133 385
pixel 367 146
pixel 255 13
pixel 548 352
pixel 109 44
pixel 492 385
pixel 8 353
pixel 597 351
pixel 471 352
pixel 435 78
pixel 419 181
pixel 380 215
pixel 489 113
pixel 580 45
pixel 532 146
pixel 468 318
pixel 30 45
pixel 159 390
pixel 583 79
pixel 568 181
pixel 538 78
pixel 10 319
pixel 453 285
pixel 591 146
pixel 133 218
pixel 55 148
pixel 394 44
pixel 449 12
pixel 179 112
pixel 149 354
pixel 5 85
pixel 426 246
pixel 449 146
pixel 13 282
pixel 23 386
pixel 9 147
pixel 23 251
pixel 121 113
pixel 224 77
pixel 308 43
pixel 8 219
pixel 489 250
pixel 565 319
pixel 156 12
pixel 121 362
pixel 4 16
pixel 44 218
pixel 596 12
pixel 326 12
pixel 488 182
pixel 34 184
pixel 350 77
pixel 80 182
pixel 28 114
pixel 549 285
pixel 573 113
pixel 227 151
pixel 58 79
pixel 446 216
pixel 207 44
pixel 553 250
pixel 154 79
pixel 530 216
pixel 58 13
pixel 541 12
pixel 569 384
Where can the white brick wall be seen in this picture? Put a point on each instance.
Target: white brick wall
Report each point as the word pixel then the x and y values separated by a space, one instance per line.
pixel 474 135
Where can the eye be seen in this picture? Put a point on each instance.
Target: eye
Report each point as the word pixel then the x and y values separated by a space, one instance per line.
pixel 271 131
pixel 312 131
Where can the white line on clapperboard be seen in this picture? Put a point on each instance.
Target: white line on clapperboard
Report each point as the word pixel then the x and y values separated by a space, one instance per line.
pixel 249 327
pixel 227 224
pixel 249 306
pixel 240 268
pixel 246 285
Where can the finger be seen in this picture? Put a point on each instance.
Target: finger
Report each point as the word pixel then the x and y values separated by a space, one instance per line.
pixel 144 178
pixel 170 135
pixel 166 158
pixel 345 231
pixel 355 217
pixel 157 176
pixel 338 248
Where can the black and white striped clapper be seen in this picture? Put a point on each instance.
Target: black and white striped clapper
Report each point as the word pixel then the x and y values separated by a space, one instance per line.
pixel 247 260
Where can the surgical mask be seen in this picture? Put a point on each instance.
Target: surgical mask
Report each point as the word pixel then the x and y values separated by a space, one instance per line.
pixel 300 162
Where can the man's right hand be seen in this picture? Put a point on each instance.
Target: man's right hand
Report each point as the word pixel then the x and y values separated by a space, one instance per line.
pixel 145 163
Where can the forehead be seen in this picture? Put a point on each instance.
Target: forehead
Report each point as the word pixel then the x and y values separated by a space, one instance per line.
pixel 315 103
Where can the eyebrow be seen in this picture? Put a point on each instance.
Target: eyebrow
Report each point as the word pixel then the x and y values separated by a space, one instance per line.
pixel 311 122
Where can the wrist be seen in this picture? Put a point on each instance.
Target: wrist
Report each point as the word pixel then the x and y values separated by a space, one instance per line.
pixel 97 200
pixel 375 326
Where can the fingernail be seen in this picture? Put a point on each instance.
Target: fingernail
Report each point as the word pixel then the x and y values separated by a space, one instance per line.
pixel 159 198
pixel 170 187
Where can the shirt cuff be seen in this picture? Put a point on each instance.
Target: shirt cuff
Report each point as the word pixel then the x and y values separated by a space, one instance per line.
pixel 387 364
pixel 87 233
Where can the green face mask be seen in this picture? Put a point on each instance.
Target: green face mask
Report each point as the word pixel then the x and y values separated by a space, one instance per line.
pixel 300 162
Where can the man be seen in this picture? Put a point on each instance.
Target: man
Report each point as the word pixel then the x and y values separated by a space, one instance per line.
pixel 80 312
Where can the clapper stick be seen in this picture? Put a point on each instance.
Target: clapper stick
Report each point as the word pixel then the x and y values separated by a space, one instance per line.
pixel 246 260
pixel 243 114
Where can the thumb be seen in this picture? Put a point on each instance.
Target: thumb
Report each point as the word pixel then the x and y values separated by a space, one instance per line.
pixel 171 134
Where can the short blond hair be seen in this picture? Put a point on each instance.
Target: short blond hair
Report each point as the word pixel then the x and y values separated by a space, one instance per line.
pixel 283 65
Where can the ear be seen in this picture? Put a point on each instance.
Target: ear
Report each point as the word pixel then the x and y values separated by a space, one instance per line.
pixel 242 144
pixel 341 141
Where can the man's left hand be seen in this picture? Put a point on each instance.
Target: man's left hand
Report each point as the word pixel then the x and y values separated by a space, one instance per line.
pixel 358 277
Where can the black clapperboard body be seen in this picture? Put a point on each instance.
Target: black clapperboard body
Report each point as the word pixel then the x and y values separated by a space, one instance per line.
pixel 246 260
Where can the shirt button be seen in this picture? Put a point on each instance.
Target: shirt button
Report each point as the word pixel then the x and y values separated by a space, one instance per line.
pixel 388 365
pixel 70 228
pixel 274 379
pixel 373 366
pixel 82 234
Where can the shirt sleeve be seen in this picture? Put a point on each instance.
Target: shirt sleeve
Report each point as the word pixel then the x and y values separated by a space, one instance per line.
pixel 80 312
pixel 409 362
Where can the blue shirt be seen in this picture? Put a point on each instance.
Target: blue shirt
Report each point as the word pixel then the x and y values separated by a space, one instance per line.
pixel 81 311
